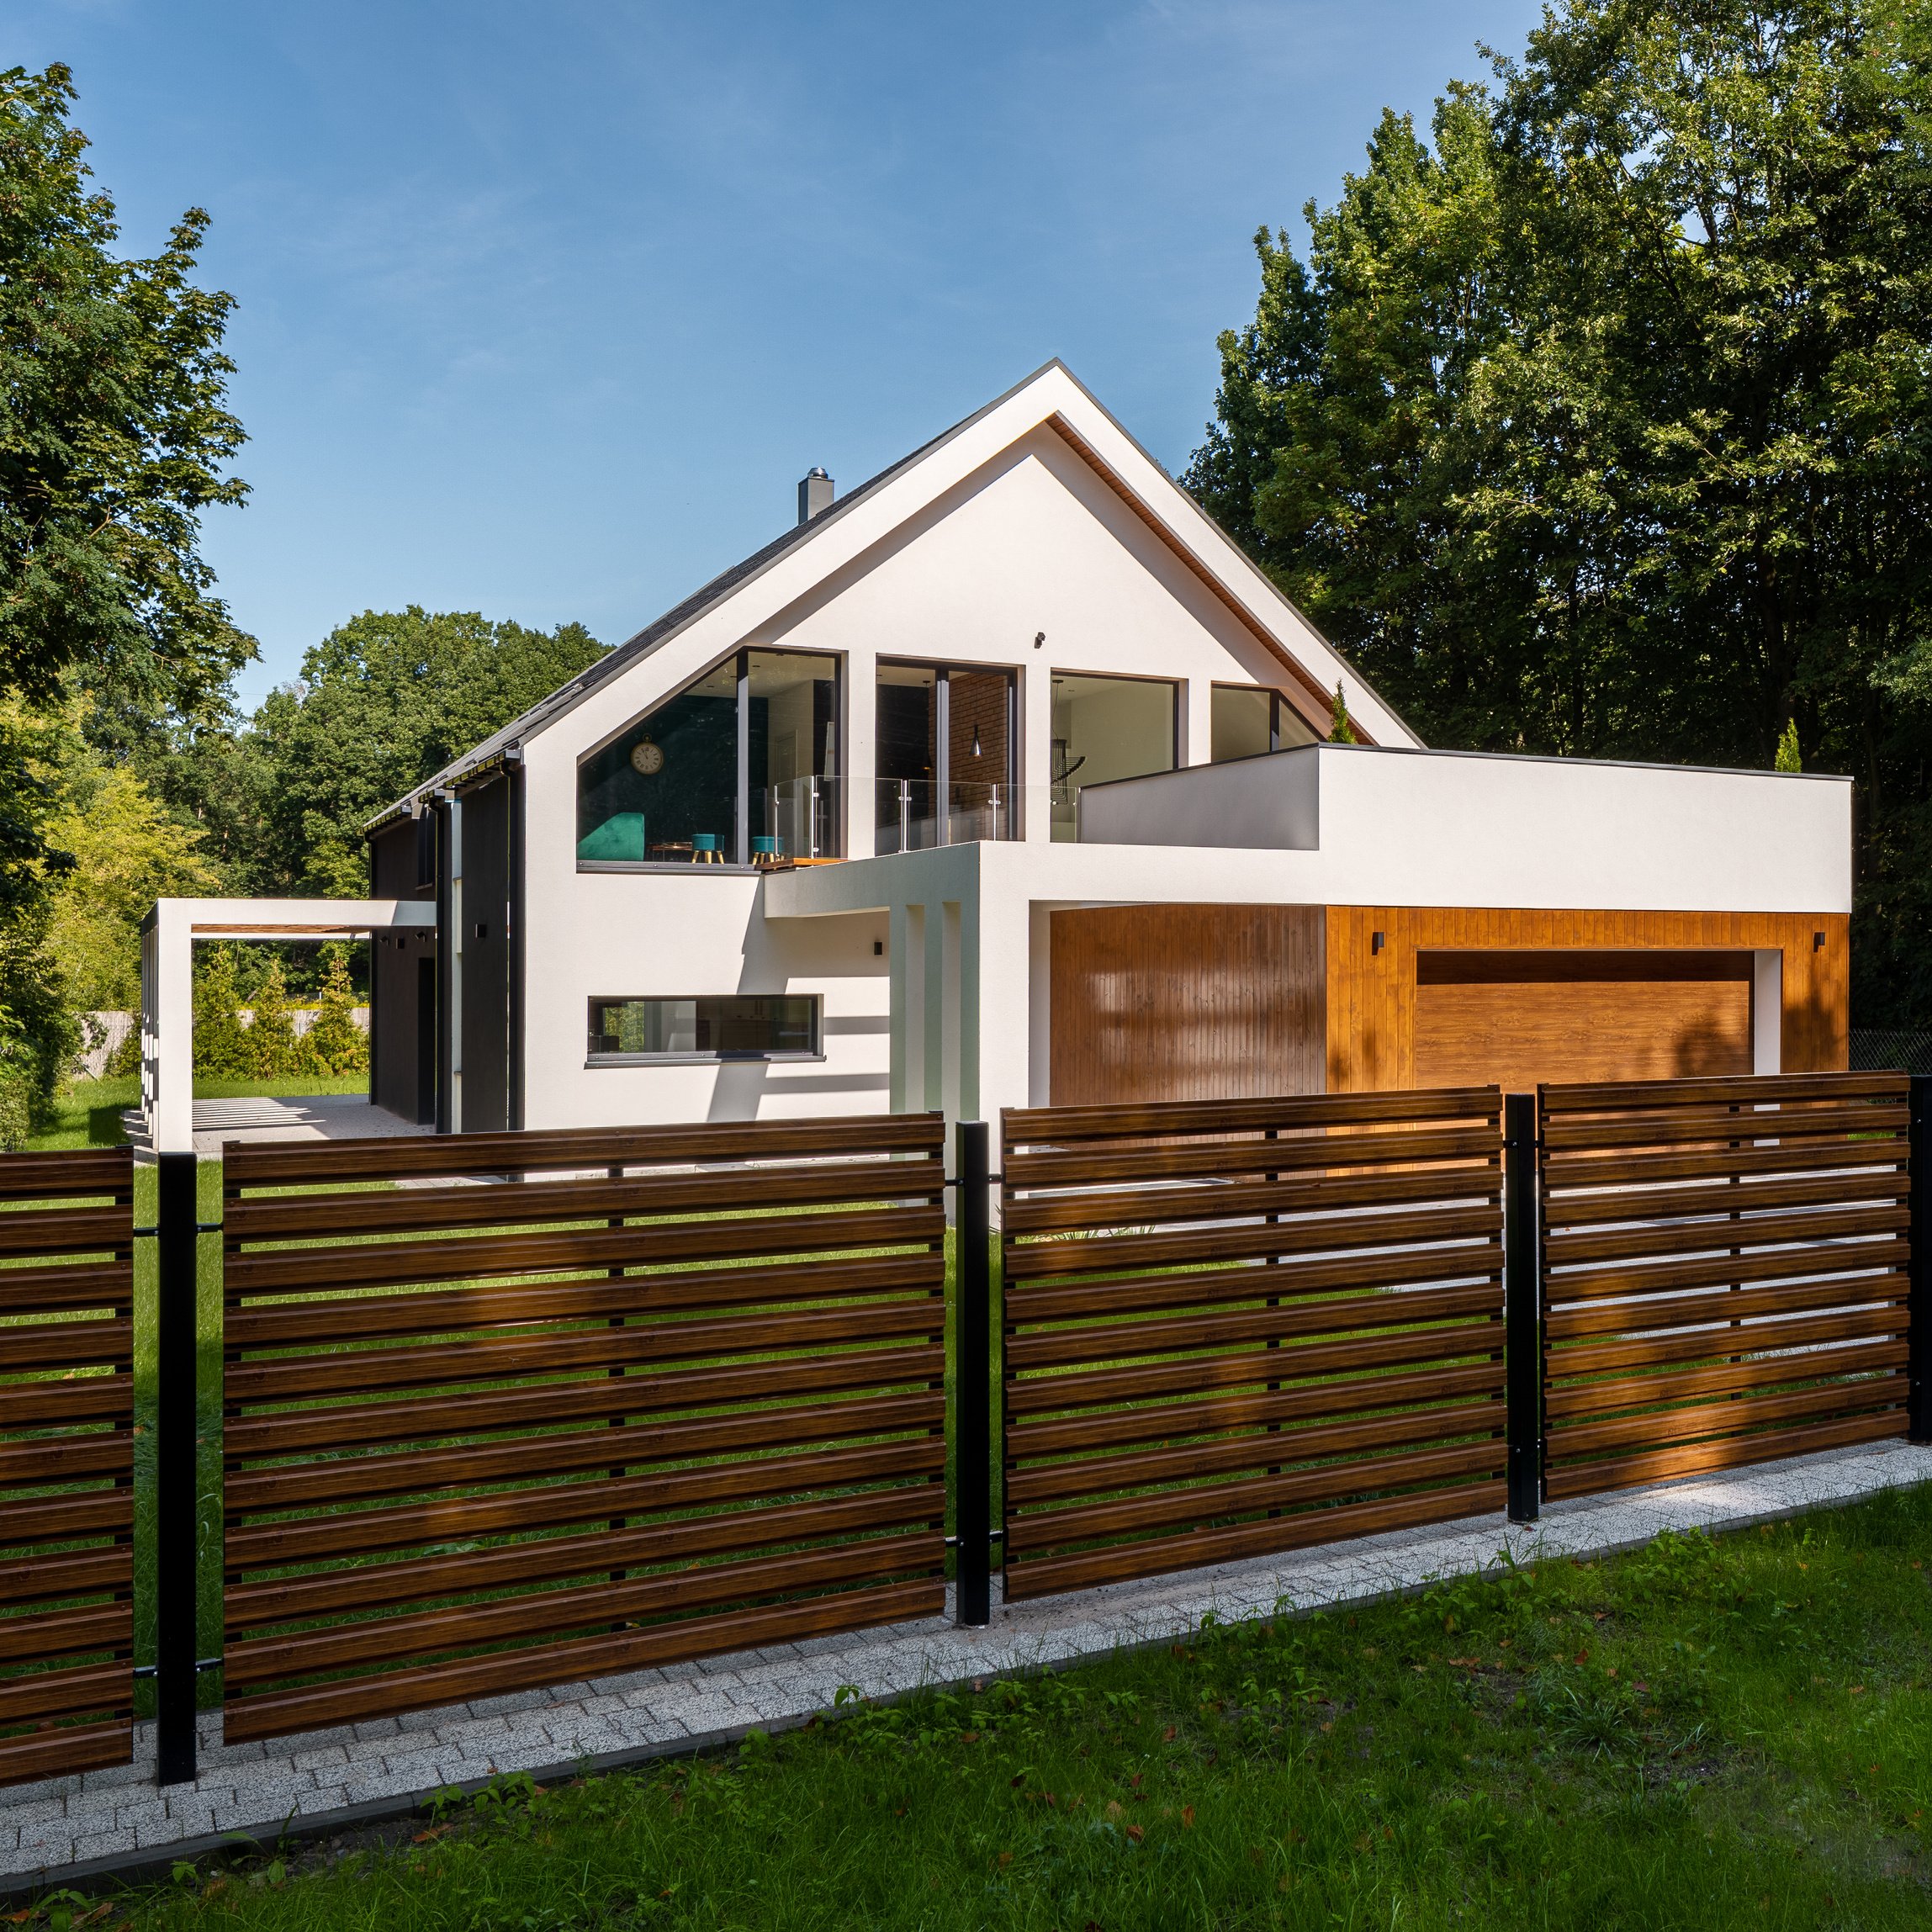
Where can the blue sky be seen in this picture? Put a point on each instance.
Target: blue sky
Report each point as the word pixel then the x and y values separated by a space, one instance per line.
pixel 544 309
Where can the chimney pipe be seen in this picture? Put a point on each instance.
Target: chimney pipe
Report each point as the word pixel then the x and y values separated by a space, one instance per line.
pixel 815 492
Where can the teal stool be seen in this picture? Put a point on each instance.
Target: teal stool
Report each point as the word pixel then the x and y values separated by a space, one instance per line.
pixel 704 849
pixel 766 851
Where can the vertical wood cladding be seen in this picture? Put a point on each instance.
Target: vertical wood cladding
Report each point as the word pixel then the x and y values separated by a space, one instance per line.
pixel 1161 1002
pixel 1376 1039
pixel 402 865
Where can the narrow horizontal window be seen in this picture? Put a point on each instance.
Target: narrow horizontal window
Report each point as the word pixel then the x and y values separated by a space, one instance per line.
pixel 719 1026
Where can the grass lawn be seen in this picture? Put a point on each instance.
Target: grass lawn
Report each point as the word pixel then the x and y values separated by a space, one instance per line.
pixel 1703 1733
pixel 88 1113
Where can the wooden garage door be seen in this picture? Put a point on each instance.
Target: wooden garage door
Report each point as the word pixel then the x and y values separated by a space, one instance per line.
pixel 1518 1018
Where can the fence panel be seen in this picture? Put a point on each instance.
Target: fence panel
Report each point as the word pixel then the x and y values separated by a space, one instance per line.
pixel 1723 1272
pixel 67 1462
pixel 505 1410
pixel 1238 1327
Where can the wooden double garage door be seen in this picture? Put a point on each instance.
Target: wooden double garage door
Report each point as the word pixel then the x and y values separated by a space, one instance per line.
pixel 1518 1018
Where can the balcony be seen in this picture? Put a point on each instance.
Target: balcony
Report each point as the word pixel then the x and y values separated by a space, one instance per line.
pixel 913 815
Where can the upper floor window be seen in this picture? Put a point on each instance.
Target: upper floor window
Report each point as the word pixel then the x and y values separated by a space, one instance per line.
pixel 1246 721
pixel 945 755
pixel 1108 728
pixel 739 768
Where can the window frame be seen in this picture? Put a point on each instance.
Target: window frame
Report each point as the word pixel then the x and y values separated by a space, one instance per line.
pixel 739 864
pixel 719 1059
pixel 1278 704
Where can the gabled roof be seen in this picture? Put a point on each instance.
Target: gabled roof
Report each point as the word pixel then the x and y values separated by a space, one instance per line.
pixel 1225 568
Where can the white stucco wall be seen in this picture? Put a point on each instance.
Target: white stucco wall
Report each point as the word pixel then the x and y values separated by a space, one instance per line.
pixel 1406 828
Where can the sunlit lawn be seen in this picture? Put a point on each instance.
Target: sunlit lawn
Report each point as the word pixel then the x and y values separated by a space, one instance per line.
pixel 1728 1733
pixel 87 1113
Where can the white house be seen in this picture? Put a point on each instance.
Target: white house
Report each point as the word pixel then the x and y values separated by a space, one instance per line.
pixel 999 782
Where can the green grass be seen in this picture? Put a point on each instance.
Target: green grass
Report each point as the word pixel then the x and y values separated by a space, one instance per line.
pixel 1703 1733
pixel 88 1113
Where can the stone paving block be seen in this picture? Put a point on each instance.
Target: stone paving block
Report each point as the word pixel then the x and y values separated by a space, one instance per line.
pixel 104 1843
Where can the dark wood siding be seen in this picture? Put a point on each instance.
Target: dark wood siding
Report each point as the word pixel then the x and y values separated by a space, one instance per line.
pixel 486 814
pixel 1186 1002
pixel 402 865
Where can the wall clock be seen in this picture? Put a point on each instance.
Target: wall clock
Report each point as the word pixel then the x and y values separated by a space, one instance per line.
pixel 647 758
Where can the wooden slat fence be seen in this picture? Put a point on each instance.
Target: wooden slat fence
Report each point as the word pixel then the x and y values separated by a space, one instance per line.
pixel 1238 1327
pixel 1723 1272
pixel 67 1462
pixel 508 1410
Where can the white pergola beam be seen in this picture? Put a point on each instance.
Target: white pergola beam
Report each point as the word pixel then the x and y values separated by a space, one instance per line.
pixel 168 982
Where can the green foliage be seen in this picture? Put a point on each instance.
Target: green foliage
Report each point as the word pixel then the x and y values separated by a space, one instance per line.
pixel 334 1043
pixel 384 702
pixel 1788 758
pixel 1597 423
pixel 113 433
pixel 271 1048
pixel 17 1099
pixel 1339 730
pixel 222 1049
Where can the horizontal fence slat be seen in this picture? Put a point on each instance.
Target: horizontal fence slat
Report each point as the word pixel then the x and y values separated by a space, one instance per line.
pixel 1664 1279
pixel 1317 1401
pixel 1583 1320
pixel 295 1485
pixel 630 1297
pixel 1756 1409
pixel 1059 1482
pixel 289 1432
pixel 566 1613
pixel 1568 1401
pixel 1096 1163
pixel 1669 1233
pixel 1730 1453
pixel 308 1164
pixel 67 1461
pixel 277 1713
pixel 1049 1575
pixel 1025 1126
pixel 254 1605
pixel 295 1217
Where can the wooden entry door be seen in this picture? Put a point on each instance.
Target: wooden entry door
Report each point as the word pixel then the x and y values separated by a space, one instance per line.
pixel 1518 1018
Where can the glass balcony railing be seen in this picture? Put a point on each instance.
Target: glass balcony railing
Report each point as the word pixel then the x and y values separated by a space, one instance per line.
pixel 912 817
pixel 799 819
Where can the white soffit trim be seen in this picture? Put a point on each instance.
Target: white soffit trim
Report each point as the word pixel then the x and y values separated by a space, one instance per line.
pixel 843 537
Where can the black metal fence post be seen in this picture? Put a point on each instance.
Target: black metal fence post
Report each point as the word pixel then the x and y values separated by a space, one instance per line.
pixel 1918 1268
pixel 1522 1308
pixel 972 1394
pixel 176 1526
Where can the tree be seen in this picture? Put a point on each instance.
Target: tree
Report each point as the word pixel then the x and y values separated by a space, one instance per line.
pixel 1599 423
pixel 1339 730
pixel 220 1042
pixel 333 1044
pixel 1788 758
pixel 273 1049
pixel 125 854
pixel 115 435
pixel 384 702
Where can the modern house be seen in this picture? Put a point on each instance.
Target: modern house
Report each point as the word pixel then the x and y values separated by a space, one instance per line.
pixel 999 780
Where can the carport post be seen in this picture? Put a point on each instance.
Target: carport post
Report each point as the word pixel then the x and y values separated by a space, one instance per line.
pixel 1919 1269
pixel 1522 1309
pixel 175 1525
pixel 972 1394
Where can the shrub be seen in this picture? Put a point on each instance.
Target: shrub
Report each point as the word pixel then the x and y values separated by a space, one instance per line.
pixel 221 1046
pixel 335 1044
pixel 272 1047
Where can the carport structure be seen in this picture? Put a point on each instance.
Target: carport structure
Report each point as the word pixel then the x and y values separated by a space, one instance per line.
pixel 168 937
